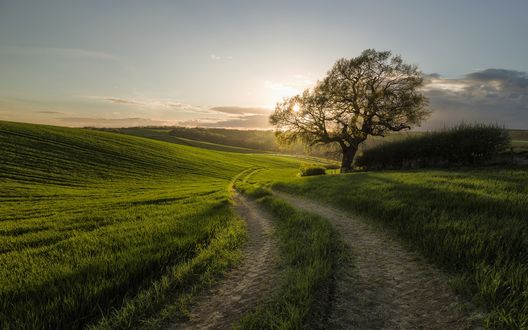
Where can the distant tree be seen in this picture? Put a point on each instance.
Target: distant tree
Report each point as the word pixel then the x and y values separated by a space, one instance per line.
pixel 371 94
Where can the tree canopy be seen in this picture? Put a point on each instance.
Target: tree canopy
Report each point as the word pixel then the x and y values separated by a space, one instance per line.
pixel 371 94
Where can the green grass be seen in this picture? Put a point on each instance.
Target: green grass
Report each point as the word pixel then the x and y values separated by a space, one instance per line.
pixel 471 223
pixel 310 256
pixel 113 231
pixel 519 140
pixel 105 229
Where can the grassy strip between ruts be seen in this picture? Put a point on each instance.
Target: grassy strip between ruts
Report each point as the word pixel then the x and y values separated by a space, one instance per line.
pixel 310 253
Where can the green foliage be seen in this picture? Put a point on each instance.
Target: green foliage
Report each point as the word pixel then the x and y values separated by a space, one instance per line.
pixel 309 170
pixel 461 145
pixel 368 95
pixel 471 223
pixel 105 227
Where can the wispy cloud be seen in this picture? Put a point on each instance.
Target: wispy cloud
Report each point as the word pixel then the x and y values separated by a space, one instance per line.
pixel 246 122
pixel 215 57
pixel 159 104
pixel 241 111
pixel 116 100
pixel 50 112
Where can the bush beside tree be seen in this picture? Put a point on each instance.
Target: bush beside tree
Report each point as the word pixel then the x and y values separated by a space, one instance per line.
pixel 460 145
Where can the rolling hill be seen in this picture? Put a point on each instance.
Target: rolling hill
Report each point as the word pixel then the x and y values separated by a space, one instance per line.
pixel 108 225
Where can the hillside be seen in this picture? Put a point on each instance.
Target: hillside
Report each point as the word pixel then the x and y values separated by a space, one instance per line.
pixel 103 229
pixel 254 141
pixel 92 221
pixel 221 139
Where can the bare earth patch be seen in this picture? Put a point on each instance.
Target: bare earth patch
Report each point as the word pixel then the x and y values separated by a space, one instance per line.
pixel 244 287
pixel 385 286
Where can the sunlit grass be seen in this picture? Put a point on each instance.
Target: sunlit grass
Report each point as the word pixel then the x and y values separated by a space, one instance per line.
pixel 471 223
pixel 101 225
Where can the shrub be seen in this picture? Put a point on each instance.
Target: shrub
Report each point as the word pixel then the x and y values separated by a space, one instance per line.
pixel 332 166
pixel 461 145
pixel 312 170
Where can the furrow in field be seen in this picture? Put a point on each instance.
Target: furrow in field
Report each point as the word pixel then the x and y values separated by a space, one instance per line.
pixel 386 286
pixel 247 285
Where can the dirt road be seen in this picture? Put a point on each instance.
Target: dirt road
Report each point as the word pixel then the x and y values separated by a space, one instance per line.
pixel 245 286
pixel 384 286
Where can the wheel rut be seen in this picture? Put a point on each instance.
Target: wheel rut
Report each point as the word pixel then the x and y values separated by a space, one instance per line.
pixel 385 286
pixel 245 286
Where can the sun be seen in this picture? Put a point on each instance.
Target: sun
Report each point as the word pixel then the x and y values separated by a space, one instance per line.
pixel 296 108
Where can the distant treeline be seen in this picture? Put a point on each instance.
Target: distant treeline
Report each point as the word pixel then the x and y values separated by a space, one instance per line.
pixel 397 150
pixel 252 139
pixel 259 140
pixel 460 145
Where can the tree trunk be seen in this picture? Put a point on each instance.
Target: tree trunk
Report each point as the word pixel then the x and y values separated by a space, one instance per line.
pixel 348 157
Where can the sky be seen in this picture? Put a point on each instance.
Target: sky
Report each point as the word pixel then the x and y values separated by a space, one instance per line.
pixel 226 63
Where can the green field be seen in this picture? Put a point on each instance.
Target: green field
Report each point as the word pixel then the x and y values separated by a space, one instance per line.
pixel 105 230
pixel 96 224
pixel 471 223
pixel 164 135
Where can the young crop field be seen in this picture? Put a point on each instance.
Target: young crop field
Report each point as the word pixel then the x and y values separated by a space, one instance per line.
pixel 108 230
pixel 164 135
pixel 108 226
pixel 472 223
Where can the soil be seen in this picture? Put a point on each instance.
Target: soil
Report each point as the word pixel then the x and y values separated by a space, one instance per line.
pixel 244 287
pixel 385 286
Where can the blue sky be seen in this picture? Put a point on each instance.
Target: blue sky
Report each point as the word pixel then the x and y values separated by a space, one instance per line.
pixel 226 63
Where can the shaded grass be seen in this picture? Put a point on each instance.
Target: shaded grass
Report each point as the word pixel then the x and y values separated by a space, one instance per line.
pixel 471 223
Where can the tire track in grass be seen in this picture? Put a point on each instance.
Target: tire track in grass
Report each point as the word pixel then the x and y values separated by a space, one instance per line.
pixel 244 287
pixel 386 286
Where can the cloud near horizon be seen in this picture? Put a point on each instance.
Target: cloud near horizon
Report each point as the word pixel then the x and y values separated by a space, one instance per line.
pixel 154 104
pixel 241 111
pixel 489 96
pixel 497 96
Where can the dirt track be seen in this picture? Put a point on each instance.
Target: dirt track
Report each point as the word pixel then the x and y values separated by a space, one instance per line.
pixel 384 286
pixel 245 286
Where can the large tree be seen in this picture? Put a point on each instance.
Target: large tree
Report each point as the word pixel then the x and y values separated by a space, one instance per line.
pixel 371 94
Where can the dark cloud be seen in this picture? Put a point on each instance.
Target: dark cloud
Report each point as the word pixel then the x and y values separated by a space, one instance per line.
pixel 489 96
pixel 234 110
pixel 508 78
